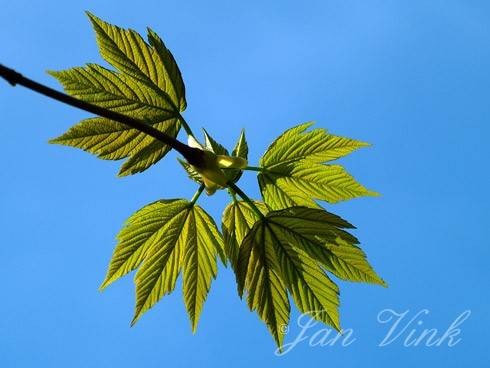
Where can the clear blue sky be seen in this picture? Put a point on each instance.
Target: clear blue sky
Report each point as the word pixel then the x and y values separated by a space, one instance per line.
pixel 411 77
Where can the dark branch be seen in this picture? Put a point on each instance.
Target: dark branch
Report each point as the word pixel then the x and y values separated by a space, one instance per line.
pixel 192 155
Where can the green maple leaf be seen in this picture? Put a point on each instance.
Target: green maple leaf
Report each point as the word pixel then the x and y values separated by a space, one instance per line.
pixel 240 150
pixel 270 263
pixel 293 173
pixel 238 218
pixel 289 251
pixel 160 240
pixel 147 85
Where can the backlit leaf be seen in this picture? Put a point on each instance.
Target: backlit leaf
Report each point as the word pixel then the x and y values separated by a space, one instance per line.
pixel 201 244
pixel 259 272
pixel 142 231
pixel 241 146
pixel 213 145
pixel 316 145
pixel 301 183
pixel 240 150
pixel 160 240
pixel 293 174
pixel 290 250
pixel 151 64
pixel 147 86
pixel 238 218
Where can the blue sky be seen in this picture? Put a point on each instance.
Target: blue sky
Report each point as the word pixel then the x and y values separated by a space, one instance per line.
pixel 410 77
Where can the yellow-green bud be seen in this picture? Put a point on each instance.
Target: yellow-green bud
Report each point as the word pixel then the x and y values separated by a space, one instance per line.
pixel 210 169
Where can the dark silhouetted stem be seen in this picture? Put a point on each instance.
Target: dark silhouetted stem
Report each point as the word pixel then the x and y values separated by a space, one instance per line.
pixel 192 155
pixel 254 168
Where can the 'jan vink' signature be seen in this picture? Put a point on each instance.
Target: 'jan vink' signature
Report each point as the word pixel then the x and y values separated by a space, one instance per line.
pixel 404 328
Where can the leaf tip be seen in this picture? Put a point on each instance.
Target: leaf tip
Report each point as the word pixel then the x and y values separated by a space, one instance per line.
pixel 240 288
pixel 123 172
pixel 304 126
pixel 56 140
pixel 372 193
pixel 96 21
pixel 153 37
pixel 93 19
pixel 336 324
pixel 105 284
pixel 53 73
pixel 90 15
pixel 135 319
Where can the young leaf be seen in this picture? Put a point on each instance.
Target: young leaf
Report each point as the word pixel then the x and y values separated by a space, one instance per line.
pixel 191 173
pixel 159 271
pixel 312 290
pixel 148 86
pixel 240 150
pixel 300 183
pixel 172 82
pixel 238 218
pixel 141 232
pixel 165 237
pixel 241 146
pixel 287 249
pixel 153 67
pixel 322 236
pixel 316 146
pixel 259 272
pixel 348 262
pixel 202 241
pixel 292 172
pixel 213 145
